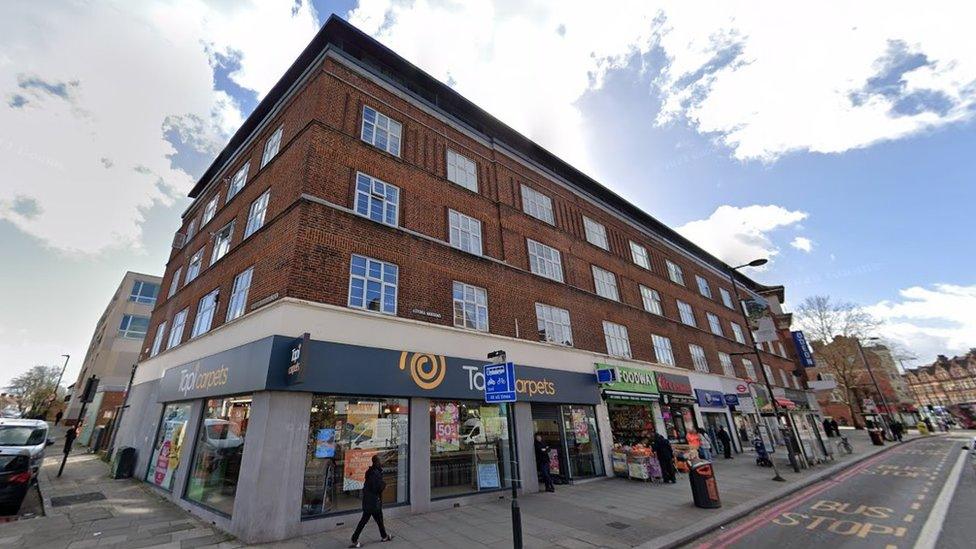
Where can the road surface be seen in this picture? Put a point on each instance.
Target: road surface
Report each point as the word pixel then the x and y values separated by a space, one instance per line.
pixel 915 495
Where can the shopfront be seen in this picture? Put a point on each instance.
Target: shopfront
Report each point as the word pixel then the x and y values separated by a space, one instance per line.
pixel 678 409
pixel 742 410
pixel 715 416
pixel 571 433
pixel 634 411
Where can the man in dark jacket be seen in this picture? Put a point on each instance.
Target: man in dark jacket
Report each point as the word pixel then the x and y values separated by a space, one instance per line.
pixel 372 502
pixel 665 456
pixel 542 463
pixel 723 436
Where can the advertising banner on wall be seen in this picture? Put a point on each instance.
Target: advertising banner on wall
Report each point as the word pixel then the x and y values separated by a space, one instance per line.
pixel 803 350
pixel 581 429
pixel 446 427
pixel 760 319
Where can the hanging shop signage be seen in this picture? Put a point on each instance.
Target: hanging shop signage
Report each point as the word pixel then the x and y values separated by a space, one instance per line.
pixel 673 384
pixel 732 400
pixel 803 350
pixel 296 360
pixel 710 399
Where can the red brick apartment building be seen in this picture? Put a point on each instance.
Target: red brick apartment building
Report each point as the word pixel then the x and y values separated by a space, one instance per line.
pixel 409 234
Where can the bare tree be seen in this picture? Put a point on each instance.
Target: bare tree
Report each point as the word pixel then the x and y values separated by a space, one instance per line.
pixel 822 318
pixel 35 389
pixel 838 359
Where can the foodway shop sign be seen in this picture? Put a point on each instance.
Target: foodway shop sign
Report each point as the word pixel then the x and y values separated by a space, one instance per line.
pixel 633 380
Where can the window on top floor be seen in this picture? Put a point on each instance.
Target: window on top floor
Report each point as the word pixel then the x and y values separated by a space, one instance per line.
pixel 662 350
pixel 238 182
pixel 373 285
pixel 381 131
pixel 222 242
pixel 686 313
pixel 618 342
pixel 255 216
pixel 726 361
pixel 210 210
pixel 703 287
pixel 133 326
pixel 737 333
pixel 191 229
pixel 176 332
pixel 714 324
pixel 271 147
pixel 462 170
pixel 545 261
pixel 464 232
pixel 537 205
pixel 553 324
pixel 158 339
pixel 237 304
pixel 174 284
pixel 470 307
pixel 205 313
pixel 377 200
pixel 605 283
pixel 144 292
pixel 596 233
pixel 193 267
pixel 675 274
pixel 640 256
pixel 698 358
pixel 726 298
pixel 651 300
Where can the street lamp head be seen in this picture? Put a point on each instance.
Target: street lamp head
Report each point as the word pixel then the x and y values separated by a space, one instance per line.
pixel 758 262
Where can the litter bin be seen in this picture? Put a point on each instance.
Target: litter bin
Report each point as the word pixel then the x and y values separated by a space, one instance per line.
pixel 124 463
pixel 704 488
pixel 877 438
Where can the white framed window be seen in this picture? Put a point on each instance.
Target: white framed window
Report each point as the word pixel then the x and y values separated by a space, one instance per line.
pixel 554 325
pixel 158 339
pixel 737 333
pixel 662 349
pixel 193 267
pixel 464 232
pixel 205 314
pixel 545 261
pixel 470 307
pixel 686 313
pixel 255 216
pixel 750 369
pixel 674 273
pixel 237 304
pixel 639 255
pixel 462 170
pixel 596 233
pixel 781 351
pixel 377 200
pixel 144 292
pixel 176 332
pixel 537 205
pixel 222 242
pixel 785 378
pixel 651 299
pixel 209 211
pixel 714 324
pixel 381 131
pixel 271 146
pixel 175 283
pixel 769 373
pixel 758 344
pixel 703 287
pixel 698 358
pixel 191 229
pixel 726 361
pixel 605 283
pixel 237 182
pixel 133 326
pixel 618 342
pixel 726 298
pixel 373 285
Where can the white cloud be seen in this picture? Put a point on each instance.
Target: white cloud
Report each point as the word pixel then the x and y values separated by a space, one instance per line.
pixel 87 92
pixel 739 235
pixel 803 244
pixel 930 321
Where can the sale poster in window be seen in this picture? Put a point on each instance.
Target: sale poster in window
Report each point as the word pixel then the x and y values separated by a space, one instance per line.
pixel 354 470
pixel 361 422
pixel 447 428
pixel 580 427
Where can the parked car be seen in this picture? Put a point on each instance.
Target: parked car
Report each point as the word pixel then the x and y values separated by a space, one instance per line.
pixel 15 479
pixel 11 413
pixel 25 434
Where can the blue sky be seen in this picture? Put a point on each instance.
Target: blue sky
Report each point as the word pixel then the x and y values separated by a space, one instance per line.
pixel 848 163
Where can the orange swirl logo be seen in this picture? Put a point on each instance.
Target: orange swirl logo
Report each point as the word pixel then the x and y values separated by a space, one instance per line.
pixel 426 370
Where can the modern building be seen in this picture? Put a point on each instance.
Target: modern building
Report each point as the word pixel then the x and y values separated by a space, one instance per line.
pixel 947 385
pixel 114 349
pixel 363 242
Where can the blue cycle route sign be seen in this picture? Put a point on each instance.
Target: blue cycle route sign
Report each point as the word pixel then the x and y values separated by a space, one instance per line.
pixel 500 382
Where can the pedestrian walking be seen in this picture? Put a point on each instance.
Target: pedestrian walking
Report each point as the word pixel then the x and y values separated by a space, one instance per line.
pixel 928 424
pixel 726 440
pixel 897 429
pixel 665 456
pixel 828 428
pixel 58 416
pixel 373 487
pixel 705 447
pixel 542 463
pixel 836 427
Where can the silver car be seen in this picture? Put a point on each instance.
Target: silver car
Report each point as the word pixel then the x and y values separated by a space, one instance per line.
pixel 26 434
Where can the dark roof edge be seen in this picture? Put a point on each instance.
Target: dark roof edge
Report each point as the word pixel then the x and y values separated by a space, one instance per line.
pixel 351 40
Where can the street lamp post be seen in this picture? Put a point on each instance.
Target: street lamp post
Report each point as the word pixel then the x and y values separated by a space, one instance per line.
pixel 57 385
pixel 769 386
pixel 884 416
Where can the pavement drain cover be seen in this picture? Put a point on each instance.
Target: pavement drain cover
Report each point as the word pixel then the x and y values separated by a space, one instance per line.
pixel 618 525
pixel 61 501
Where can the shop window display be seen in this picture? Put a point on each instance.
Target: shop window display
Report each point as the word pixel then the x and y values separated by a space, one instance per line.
pixel 343 436
pixel 582 441
pixel 679 421
pixel 217 456
pixel 168 448
pixel 469 447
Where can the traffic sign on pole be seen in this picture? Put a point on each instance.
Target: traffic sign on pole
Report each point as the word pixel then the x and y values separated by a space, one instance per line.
pixel 500 382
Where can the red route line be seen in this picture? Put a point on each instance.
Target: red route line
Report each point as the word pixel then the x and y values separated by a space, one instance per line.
pixel 748 527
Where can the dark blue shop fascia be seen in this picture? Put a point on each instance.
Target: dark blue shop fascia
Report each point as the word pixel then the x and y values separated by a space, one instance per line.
pixel 339 368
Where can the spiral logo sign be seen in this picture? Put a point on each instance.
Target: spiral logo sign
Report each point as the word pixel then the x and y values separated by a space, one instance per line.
pixel 426 370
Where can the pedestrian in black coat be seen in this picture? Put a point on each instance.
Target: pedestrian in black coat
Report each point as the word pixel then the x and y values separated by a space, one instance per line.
pixel 372 502
pixel 542 463
pixel 665 456
pixel 726 440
